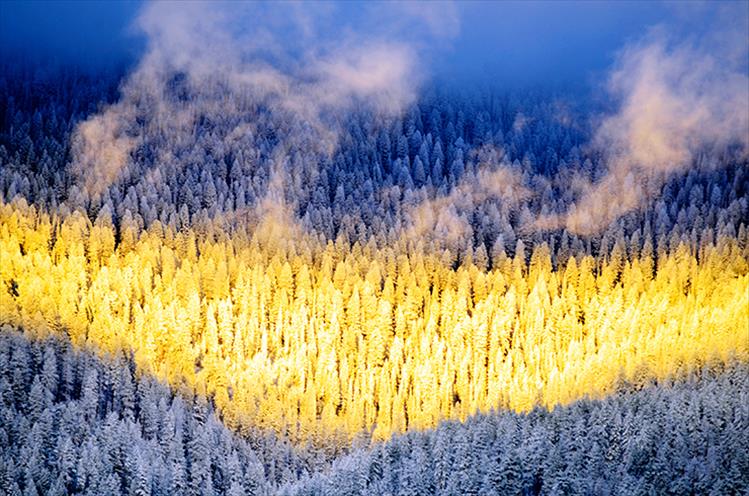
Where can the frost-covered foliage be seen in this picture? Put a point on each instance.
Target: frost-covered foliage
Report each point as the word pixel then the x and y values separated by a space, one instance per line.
pixel 377 184
pixel 75 424
pixel 463 181
pixel 72 423
pixel 676 437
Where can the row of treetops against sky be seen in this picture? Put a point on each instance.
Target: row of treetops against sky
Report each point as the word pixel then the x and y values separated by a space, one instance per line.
pixel 323 340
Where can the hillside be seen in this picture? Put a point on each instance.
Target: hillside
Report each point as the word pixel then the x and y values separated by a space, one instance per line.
pixel 374 248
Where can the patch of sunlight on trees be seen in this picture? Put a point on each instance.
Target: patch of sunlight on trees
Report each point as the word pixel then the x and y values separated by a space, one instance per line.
pixel 319 341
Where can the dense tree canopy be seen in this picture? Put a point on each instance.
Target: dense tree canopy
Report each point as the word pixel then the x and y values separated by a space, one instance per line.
pixel 253 292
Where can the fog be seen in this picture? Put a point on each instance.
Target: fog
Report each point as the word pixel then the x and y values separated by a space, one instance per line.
pixel 673 77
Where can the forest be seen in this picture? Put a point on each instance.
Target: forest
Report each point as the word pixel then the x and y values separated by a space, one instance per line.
pixel 210 285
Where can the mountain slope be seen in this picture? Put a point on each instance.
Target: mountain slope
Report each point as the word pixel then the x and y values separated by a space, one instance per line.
pixel 685 437
pixel 72 423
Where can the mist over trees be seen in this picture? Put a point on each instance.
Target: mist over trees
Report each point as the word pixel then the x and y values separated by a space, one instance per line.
pixel 211 284
pixel 367 191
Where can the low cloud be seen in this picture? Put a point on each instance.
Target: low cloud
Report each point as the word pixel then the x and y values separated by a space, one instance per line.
pixel 448 216
pixel 221 59
pixel 676 99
